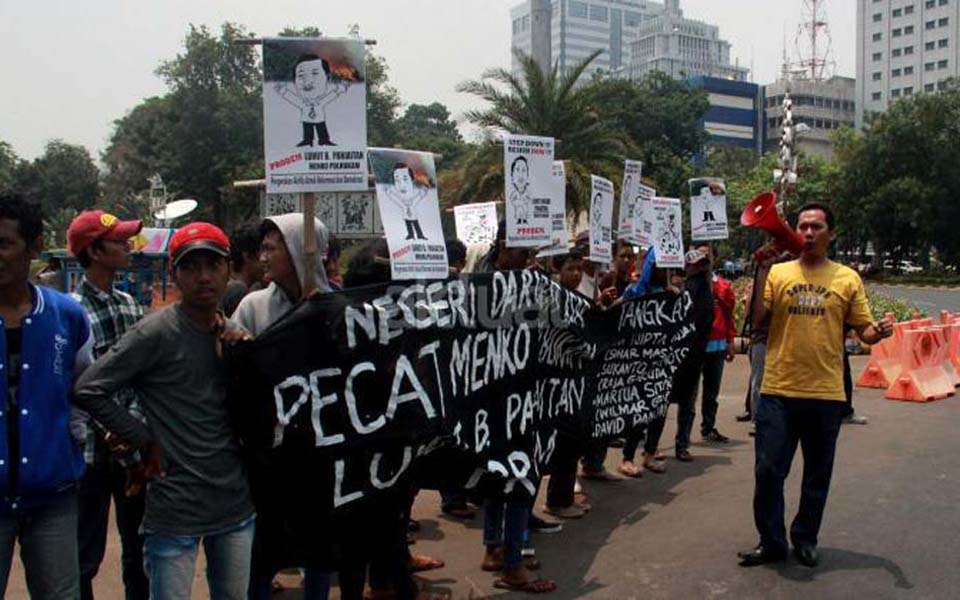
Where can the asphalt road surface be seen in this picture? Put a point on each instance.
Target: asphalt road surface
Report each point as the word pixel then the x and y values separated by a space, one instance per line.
pixel 929 300
pixel 890 529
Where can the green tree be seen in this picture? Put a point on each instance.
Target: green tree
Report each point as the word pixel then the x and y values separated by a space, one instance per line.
pixel 8 166
pixel 549 104
pixel 64 176
pixel 429 128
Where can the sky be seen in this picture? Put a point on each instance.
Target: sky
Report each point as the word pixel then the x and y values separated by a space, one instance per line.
pixel 70 68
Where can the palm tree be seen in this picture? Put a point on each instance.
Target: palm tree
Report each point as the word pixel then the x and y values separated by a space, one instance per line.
pixel 547 104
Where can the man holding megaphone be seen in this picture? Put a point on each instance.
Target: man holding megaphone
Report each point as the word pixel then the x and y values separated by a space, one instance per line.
pixel 806 303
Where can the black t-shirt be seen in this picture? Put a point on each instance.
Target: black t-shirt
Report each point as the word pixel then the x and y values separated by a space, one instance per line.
pixel 14 343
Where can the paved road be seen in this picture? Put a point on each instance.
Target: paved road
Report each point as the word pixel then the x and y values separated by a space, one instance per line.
pixel 890 529
pixel 929 300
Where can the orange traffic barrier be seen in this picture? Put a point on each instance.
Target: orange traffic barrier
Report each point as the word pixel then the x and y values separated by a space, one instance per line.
pixel 949 363
pixel 923 377
pixel 884 364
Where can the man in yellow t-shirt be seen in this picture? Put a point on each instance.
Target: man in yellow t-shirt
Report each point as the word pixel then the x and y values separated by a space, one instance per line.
pixel 806 303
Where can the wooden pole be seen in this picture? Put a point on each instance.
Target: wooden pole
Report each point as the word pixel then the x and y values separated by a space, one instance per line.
pixel 309 243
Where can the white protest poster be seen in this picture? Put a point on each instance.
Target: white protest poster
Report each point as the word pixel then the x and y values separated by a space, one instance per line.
pixel 314 115
pixel 708 209
pixel 601 219
pixel 528 182
pixel 406 184
pixel 559 234
pixel 628 200
pixel 643 215
pixel 667 232
pixel 476 223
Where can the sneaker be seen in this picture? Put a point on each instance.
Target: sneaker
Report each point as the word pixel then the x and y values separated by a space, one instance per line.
pixel 543 526
pixel 684 456
pixel 716 437
pixel 574 511
pixel 855 419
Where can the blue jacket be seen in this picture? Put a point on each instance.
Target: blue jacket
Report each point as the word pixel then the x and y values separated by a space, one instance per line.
pixel 56 344
pixel 643 285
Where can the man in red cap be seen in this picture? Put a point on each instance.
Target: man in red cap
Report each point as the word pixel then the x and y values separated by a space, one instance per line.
pixel 101 243
pixel 173 361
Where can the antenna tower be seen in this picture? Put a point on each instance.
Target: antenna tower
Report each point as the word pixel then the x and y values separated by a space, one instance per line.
pixel 814 42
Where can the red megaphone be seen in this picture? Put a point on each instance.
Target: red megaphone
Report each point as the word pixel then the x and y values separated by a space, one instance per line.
pixel 762 214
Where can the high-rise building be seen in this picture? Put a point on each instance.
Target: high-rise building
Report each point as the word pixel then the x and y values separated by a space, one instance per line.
pixel 576 28
pixel 823 106
pixel 735 114
pixel 904 47
pixel 681 48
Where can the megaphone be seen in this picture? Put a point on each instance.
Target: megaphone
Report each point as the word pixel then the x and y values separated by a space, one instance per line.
pixel 762 214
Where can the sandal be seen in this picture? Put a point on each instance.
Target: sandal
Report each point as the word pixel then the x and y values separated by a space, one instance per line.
pixel 631 470
pixel 531 586
pixel 655 466
pixel 420 563
pixel 492 561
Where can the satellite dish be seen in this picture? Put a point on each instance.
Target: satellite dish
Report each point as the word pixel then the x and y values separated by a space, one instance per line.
pixel 175 209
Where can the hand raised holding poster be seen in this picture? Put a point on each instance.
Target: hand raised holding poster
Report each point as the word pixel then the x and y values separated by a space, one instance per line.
pixel 476 223
pixel 628 201
pixel 527 168
pixel 314 115
pixel 601 219
pixel 668 232
pixel 410 210
pixel 708 209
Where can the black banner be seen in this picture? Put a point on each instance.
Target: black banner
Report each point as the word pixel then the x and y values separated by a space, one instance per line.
pixel 475 376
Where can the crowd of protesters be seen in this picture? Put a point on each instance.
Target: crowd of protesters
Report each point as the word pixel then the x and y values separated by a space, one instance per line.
pixel 104 403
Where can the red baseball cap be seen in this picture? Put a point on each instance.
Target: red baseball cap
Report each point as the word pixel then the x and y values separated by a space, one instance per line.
pixel 92 225
pixel 198 236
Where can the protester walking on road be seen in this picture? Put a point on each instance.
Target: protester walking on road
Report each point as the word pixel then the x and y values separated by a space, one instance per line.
pixel 45 341
pixel 807 302
pixel 101 243
pixel 173 360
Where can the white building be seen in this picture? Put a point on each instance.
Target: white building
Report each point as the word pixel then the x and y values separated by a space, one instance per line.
pixel 823 106
pixel 576 28
pixel 904 47
pixel 681 48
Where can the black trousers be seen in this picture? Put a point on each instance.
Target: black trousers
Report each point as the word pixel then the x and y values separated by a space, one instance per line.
pixel 323 136
pixel 99 484
pixel 782 423
pixel 563 472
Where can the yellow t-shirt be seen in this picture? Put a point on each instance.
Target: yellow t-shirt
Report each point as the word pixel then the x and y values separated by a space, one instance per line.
pixel 809 308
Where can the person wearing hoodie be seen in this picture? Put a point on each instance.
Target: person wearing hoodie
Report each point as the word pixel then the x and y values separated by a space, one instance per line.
pixel 282 257
pixel 281 254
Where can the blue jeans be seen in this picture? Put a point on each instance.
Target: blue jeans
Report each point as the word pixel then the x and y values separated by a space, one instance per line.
pixel 170 561
pixel 505 524
pixel 48 549
pixel 782 423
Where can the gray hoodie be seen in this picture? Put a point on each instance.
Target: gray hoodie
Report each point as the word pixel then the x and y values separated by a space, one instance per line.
pixel 258 310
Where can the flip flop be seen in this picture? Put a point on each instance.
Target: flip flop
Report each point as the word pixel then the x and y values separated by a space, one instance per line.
pixel 532 586
pixel 631 470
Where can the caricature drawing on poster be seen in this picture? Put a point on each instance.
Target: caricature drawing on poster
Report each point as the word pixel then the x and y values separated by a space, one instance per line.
pixel 643 215
pixel 628 200
pixel 314 115
pixel 406 183
pixel 476 223
pixel 668 232
pixel 527 167
pixel 601 219
pixel 708 209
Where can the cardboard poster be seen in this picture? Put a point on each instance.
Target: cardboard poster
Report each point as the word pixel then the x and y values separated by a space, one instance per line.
pixel 628 201
pixel 708 209
pixel 668 232
pixel 560 234
pixel 643 215
pixel 476 223
pixel 314 115
pixel 528 182
pixel 410 209
pixel 601 219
